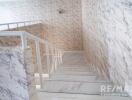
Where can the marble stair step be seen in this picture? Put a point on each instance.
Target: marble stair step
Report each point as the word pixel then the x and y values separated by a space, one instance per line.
pixel 74 66
pixel 75 72
pixel 90 78
pixel 73 86
pixel 74 69
pixel 64 96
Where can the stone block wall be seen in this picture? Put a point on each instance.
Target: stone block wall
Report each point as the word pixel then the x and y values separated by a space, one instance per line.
pixel 65 29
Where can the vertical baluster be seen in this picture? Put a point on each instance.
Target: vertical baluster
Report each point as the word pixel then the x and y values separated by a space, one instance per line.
pixel 8 26
pixel 17 26
pixel 24 26
pixel 56 57
pixel 52 56
pixel 47 57
pixel 38 58
pixel 59 56
pixel 51 59
pixel 24 41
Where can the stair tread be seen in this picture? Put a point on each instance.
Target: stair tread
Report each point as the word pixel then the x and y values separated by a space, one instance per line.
pixel 76 72
pixel 68 77
pixel 73 86
pixel 65 96
pixel 74 69
pixel 75 80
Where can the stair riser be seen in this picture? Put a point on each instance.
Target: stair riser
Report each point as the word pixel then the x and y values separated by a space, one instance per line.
pixel 72 87
pixel 75 69
pixel 76 73
pixel 76 78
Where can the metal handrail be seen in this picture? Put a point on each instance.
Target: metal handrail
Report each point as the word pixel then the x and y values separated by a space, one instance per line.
pixel 20 22
pixel 55 52
pixel 27 35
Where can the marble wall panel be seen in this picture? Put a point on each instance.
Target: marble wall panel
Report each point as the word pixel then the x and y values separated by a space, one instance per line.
pixel 13 80
pixel 107 28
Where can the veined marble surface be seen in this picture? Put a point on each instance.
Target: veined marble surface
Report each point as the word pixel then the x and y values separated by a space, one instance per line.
pixel 119 41
pixel 108 37
pixel 13 82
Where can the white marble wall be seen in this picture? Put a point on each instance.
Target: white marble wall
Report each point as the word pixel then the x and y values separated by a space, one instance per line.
pixel 13 81
pixel 94 34
pixel 107 26
pixel 119 41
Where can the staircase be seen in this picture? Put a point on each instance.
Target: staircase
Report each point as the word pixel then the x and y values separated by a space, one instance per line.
pixel 75 80
pixel 70 78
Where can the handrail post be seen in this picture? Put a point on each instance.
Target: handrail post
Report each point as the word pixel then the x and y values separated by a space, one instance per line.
pixel 38 58
pixel 24 26
pixel 56 59
pixel 8 25
pixel 59 57
pixel 17 26
pixel 52 57
pixel 47 56
pixel 24 41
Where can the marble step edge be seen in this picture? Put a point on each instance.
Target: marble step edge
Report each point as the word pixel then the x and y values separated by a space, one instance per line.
pixel 76 73
pixel 73 87
pixel 99 94
pixel 42 90
pixel 96 81
pixel 78 64
pixel 75 65
pixel 75 77
pixel 78 67
pixel 85 71
pixel 74 69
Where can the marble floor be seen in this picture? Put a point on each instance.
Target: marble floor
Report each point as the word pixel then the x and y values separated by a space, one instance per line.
pixel 75 80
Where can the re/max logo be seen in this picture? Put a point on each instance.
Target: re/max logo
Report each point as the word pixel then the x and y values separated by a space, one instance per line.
pixel 111 89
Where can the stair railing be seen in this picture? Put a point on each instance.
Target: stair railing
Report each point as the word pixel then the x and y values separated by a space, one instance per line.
pixel 17 25
pixel 53 54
